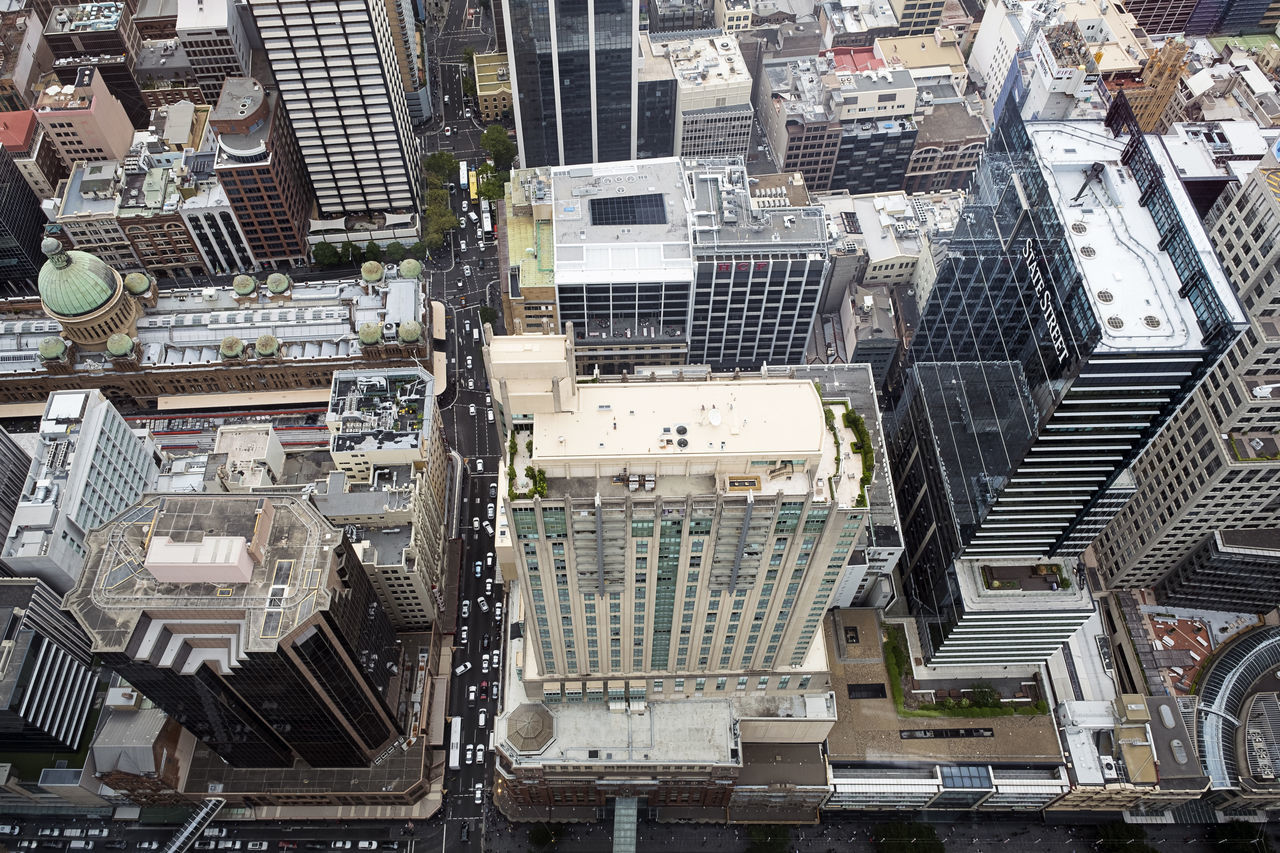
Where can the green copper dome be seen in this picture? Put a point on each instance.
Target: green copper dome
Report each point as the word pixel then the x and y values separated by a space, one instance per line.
pixel 231 347
pixel 52 348
pixel 137 283
pixel 370 333
pixel 410 268
pixel 119 344
pixel 73 283
pixel 243 284
pixel 277 282
pixel 371 271
pixel 410 331
pixel 267 345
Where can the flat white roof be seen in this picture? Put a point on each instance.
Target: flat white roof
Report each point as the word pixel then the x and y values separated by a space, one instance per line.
pixel 778 418
pixel 1132 284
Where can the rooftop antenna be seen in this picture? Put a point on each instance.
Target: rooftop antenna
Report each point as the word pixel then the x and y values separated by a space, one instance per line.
pixel 1095 172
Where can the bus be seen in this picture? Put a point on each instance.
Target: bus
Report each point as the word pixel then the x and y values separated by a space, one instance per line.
pixel 462 176
pixel 486 220
pixel 475 187
pixel 455 744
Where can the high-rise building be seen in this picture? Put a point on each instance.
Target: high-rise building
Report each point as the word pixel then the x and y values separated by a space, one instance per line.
pixel 411 58
pixel 86 213
pixel 84 119
pixel 574 72
pixel 703 90
pixel 21 225
pixel 686 529
pixel 388 437
pixel 248 620
pixel 215 42
pixel 1213 466
pixel 90 464
pixel 1041 371
pixel 33 151
pixel 25 56
pixel 257 158
pixel 101 36
pixel 46 676
pixel 664 263
pixel 14 462
pixel 345 98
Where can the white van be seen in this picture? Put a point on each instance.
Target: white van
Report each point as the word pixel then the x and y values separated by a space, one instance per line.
pixel 472 216
pixel 80 845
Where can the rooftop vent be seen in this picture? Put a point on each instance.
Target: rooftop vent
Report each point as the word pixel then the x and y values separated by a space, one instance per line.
pixel 1115 322
pixel 1079 227
pixel 1152 321
pixel 1106 297
pixel 1088 252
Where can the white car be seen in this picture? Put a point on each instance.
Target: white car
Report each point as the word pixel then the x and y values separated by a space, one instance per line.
pixel 471 409
pixel 366 845
pixel 467 113
pixel 488 558
pixel 488 585
pixel 489 511
pixel 497 655
pixel 479 566
pixel 471 384
pixel 484 663
pixel 489 413
pixel 462 635
pixel 448 131
pixel 466 269
pixel 466 608
pixel 97 833
pixel 471 695
pixel 257 845
pixel 473 406
pixel 475 523
pixel 462 245
pixel 471 754
pixel 340 845
pixel 483 719
pixel 465 206
pixel 497 691
pixel 484 605
pixel 488 401
pixel 479 792
pixel 497 611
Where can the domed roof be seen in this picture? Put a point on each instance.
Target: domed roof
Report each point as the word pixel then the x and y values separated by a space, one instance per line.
pixel 410 331
pixel 277 282
pixel 267 345
pixel 370 333
pixel 73 283
pixel 243 284
pixel 119 344
pixel 231 347
pixel 371 271
pixel 137 283
pixel 410 268
pixel 52 347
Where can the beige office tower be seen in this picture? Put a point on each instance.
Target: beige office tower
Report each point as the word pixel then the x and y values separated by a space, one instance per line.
pixel 1216 464
pixel 671 545
pixel 677 535
pixel 388 442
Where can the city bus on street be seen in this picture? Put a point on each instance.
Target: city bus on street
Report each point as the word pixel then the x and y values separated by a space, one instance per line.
pixel 455 744
pixel 462 176
pixel 475 187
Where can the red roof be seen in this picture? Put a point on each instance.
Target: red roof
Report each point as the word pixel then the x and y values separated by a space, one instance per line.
pixel 855 58
pixel 16 129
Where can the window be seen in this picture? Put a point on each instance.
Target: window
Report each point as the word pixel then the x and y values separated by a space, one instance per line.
pixel 742 682
pixel 873 690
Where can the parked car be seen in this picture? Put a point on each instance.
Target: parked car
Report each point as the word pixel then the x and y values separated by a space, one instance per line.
pixel 205 845
pixel 493 490
pixel 49 832
pixel 215 832
pixel 229 844
pixel 97 833
pixel 367 845
pixel 466 269
pixel 9 829
pixel 497 611
pixel 340 845
pixel 256 845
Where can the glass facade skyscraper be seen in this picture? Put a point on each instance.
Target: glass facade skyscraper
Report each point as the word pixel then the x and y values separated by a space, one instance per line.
pixel 574 79
pixel 1073 310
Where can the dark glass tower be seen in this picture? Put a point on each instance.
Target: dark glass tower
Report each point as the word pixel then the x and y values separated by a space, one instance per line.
pixel 1073 311
pixel 268 643
pixel 574 79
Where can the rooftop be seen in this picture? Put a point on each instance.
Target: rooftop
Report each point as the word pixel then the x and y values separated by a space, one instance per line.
pixel 921 52
pixel 1133 289
pixel 1013 585
pixel 320 320
pixel 17 130
pixel 870 729
pixel 82 18
pixel 859 16
pixel 493 74
pixel 1229 149
pixel 703 62
pixel 203 16
pixel 950 124
pixel 373 410
pixel 726 213
pixel 55 96
pixel 289 543
pixel 889 225
pixel 622 421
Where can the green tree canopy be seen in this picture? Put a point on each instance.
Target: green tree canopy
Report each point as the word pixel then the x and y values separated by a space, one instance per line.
pixel 769 838
pixel 372 251
pixel 499 146
pixel 351 253
pixel 419 250
pixel 326 255
pixel 396 252
pixel 442 163
pixel 904 837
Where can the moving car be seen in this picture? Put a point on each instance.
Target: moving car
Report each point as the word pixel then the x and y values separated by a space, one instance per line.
pixel 489 412
pixel 459 670
pixel 484 663
pixel 471 695
pixel 489 511
pixel 479 792
pixel 479 567
pixel 462 245
pixel 471 409
pixel 448 131
pixel 497 655
pixel 484 605
pixel 471 384
pixel 470 755
pixel 488 586
pixel 493 487
pixel 475 523
pixel 98 833
pixel 462 635
pixel 257 845
pixel 466 607
pixel 473 405
pixel 497 611
pixel 483 718
pixel 466 270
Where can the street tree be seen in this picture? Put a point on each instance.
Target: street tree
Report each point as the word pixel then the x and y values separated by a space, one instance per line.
pixel 499 146
pixel 326 255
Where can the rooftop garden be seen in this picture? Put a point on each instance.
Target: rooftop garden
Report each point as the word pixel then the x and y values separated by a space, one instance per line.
pixel 979 699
